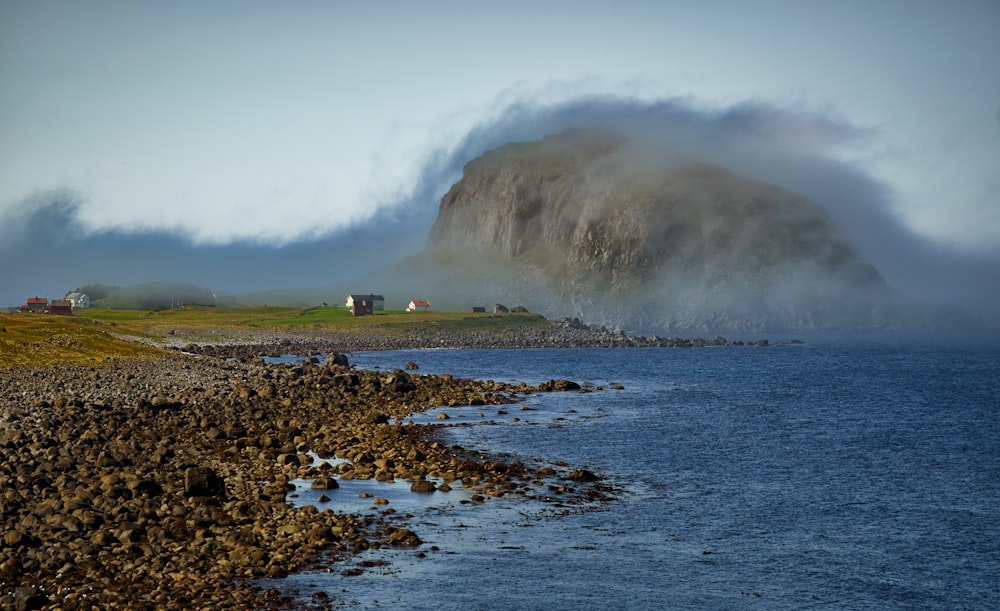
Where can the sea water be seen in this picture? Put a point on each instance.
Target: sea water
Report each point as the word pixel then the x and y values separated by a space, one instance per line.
pixel 831 474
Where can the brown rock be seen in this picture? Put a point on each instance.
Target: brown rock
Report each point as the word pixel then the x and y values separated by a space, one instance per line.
pixel 582 475
pixel 203 481
pixel 324 483
pixel 423 485
pixel 403 537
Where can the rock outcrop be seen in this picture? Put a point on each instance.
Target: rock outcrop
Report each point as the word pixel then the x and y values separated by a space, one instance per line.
pixel 587 223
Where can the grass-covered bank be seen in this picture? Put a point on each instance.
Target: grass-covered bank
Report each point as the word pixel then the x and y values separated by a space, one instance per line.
pixel 40 339
pixel 92 336
pixel 291 319
pixel 96 335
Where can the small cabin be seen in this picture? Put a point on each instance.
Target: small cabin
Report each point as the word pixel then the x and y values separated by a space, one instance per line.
pixel 418 304
pixel 478 309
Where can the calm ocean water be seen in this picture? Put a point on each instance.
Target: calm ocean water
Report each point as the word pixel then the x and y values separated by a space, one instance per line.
pixel 834 474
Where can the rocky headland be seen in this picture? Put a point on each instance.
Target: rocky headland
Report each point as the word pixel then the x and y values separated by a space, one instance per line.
pixel 616 231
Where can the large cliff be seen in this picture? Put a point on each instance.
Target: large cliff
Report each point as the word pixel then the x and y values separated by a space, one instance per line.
pixel 590 224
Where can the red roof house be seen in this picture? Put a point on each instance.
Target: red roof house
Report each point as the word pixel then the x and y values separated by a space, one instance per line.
pixel 418 304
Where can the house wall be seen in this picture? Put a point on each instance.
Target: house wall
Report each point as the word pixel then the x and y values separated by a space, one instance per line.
pixel 361 308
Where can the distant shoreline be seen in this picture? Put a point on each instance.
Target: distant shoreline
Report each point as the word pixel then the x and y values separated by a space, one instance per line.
pixel 568 333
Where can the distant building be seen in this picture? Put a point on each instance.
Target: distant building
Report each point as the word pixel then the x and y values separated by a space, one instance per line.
pixel 61 307
pixel 376 302
pixel 361 306
pixel 79 301
pixel 478 309
pixel 38 304
pixel 418 304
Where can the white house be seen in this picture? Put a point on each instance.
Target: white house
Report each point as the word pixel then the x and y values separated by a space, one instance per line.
pixel 418 304
pixel 79 301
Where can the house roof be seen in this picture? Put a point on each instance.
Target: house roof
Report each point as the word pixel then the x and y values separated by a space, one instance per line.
pixel 421 302
pixel 37 300
pixel 368 296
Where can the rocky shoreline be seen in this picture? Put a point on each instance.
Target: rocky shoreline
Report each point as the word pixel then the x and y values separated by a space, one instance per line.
pixel 566 333
pixel 162 483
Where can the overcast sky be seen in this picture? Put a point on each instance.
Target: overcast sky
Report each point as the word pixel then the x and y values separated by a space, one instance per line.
pixel 230 121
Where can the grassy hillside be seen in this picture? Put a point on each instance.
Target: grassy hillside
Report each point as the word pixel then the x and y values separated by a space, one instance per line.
pixel 92 336
pixel 38 339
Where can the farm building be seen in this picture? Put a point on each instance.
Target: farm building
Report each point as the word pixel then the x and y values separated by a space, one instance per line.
pixel 376 302
pixel 62 307
pixel 38 304
pixel 418 304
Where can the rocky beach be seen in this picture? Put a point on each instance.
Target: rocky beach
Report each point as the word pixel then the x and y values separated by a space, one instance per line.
pixel 162 483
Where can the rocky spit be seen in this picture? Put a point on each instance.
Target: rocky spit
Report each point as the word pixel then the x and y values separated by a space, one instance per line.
pixel 162 483
pixel 566 333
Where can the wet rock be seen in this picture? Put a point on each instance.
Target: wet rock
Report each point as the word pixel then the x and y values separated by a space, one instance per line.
pixel 324 483
pixel 582 475
pixel 403 537
pixel 423 485
pixel 558 385
pixel 336 358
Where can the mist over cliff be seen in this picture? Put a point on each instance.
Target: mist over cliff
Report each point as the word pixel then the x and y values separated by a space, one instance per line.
pixel 591 223
pixel 48 247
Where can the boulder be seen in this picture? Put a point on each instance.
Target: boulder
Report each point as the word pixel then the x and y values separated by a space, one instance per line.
pixel 336 358
pixel 403 537
pixel 324 483
pixel 423 485
pixel 28 598
pixel 582 475
pixel 203 481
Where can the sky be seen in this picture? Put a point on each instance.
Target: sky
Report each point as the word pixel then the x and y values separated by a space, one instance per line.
pixel 262 125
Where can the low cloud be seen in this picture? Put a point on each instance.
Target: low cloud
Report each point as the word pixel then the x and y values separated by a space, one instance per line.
pixel 46 248
pixel 48 251
pixel 795 150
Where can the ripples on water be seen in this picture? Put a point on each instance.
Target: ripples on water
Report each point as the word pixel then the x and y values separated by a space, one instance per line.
pixel 824 475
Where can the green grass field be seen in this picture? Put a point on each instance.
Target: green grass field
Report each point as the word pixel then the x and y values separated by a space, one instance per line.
pixel 92 336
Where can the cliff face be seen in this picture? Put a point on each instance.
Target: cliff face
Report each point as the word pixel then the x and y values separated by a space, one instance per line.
pixel 586 223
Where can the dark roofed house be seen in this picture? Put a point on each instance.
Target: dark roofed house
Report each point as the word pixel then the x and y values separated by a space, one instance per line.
pixel 377 302
pixel 478 309
pixel 365 305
